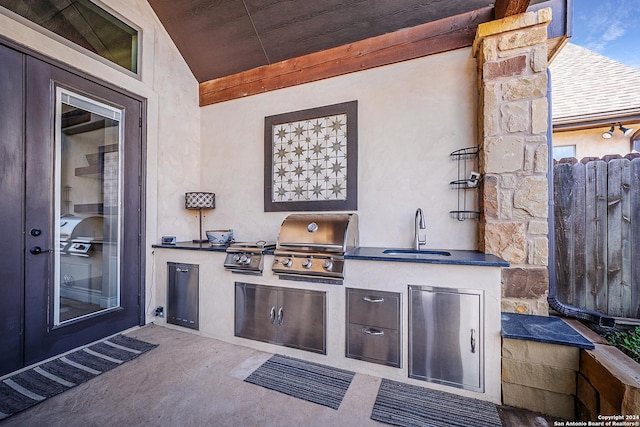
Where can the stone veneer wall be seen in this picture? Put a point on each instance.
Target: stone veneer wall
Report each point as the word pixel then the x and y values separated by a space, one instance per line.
pixel 570 383
pixel 540 377
pixel 513 117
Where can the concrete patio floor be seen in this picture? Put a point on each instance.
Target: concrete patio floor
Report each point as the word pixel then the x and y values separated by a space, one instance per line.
pixel 189 380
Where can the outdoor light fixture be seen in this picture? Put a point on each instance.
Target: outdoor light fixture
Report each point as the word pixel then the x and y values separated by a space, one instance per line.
pixel 624 130
pixel 199 200
pixel 609 134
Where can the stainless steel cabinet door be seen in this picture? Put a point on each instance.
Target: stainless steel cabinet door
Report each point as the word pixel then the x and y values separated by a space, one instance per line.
pixel 446 336
pixel 301 319
pixel 255 312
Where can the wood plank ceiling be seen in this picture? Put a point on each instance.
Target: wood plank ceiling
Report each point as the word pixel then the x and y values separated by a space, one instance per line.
pixel 239 47
pixel 222 37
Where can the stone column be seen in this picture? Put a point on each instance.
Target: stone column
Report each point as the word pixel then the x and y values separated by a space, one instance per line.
pixel 513 116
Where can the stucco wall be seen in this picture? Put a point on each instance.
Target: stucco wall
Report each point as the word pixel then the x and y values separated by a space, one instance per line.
pixel 411 116
pixel 173 131
pixel 589 142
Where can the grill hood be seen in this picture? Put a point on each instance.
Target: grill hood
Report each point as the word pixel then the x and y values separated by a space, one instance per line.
pixel 335 233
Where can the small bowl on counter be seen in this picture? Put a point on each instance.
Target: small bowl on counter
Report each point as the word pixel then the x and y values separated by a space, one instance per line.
pixel 220 237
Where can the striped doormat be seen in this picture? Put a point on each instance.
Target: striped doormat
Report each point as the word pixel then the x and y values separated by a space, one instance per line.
pixel 27 388
pixel 308 381
pixel 408 405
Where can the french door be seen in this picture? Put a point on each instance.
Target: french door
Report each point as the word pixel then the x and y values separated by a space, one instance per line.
pixel 70 229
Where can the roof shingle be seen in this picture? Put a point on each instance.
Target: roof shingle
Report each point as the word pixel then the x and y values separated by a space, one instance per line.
pixel 588 86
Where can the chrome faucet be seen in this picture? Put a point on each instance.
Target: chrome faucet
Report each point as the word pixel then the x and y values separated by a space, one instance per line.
pixel 419 225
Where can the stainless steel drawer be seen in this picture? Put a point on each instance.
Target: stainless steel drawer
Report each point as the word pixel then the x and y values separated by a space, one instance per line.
pixel 378 345
pixel 373 308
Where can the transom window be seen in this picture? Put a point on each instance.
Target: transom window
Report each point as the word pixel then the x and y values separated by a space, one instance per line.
pixel 85 24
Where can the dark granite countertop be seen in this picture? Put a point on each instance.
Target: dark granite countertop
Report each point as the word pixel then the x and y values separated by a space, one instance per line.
pixel 457 257
pixel 545 329
pixel 190 246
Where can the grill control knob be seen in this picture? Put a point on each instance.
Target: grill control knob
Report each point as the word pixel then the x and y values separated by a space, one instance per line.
pixel 236 257
pixel 327 264
pixel 243 259
pixel 307 264
pixel 287 262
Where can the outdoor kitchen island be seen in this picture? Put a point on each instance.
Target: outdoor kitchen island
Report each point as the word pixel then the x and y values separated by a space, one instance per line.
pixel 371 275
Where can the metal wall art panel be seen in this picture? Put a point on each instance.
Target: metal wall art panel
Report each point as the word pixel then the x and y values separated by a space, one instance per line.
pixel 311 159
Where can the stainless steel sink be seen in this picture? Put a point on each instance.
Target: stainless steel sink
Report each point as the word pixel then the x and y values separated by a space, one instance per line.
pixel 410 253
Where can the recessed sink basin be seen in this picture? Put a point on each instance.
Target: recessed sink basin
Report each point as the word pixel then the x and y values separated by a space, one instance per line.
pixel 416 253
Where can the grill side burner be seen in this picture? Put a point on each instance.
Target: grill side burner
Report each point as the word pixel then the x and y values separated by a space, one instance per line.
pixel 247 258
pixel 312 246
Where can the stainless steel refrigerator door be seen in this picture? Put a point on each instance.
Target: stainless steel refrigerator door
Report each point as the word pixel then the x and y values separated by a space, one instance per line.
pixel 446 336
pixel 182 298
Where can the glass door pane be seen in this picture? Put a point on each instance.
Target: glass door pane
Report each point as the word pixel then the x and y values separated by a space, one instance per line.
pixel 87 202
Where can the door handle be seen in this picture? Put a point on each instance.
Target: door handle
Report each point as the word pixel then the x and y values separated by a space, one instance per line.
pixel 373 331
pixel 371 298
pixel 272 315
pixel 280 316
pixel 473 340
pixel 38 250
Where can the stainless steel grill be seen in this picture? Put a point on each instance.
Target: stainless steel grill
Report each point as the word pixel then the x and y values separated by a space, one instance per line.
pixel 312 246
pixel 78 234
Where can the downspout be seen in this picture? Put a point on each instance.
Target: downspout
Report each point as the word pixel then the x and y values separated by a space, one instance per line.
pixel 562 308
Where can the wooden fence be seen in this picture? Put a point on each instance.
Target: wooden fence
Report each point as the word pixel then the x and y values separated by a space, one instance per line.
pixel 597 234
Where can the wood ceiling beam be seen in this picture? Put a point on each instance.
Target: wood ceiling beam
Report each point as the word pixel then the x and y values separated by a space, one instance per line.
pixel 434 37
pixel 504 8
